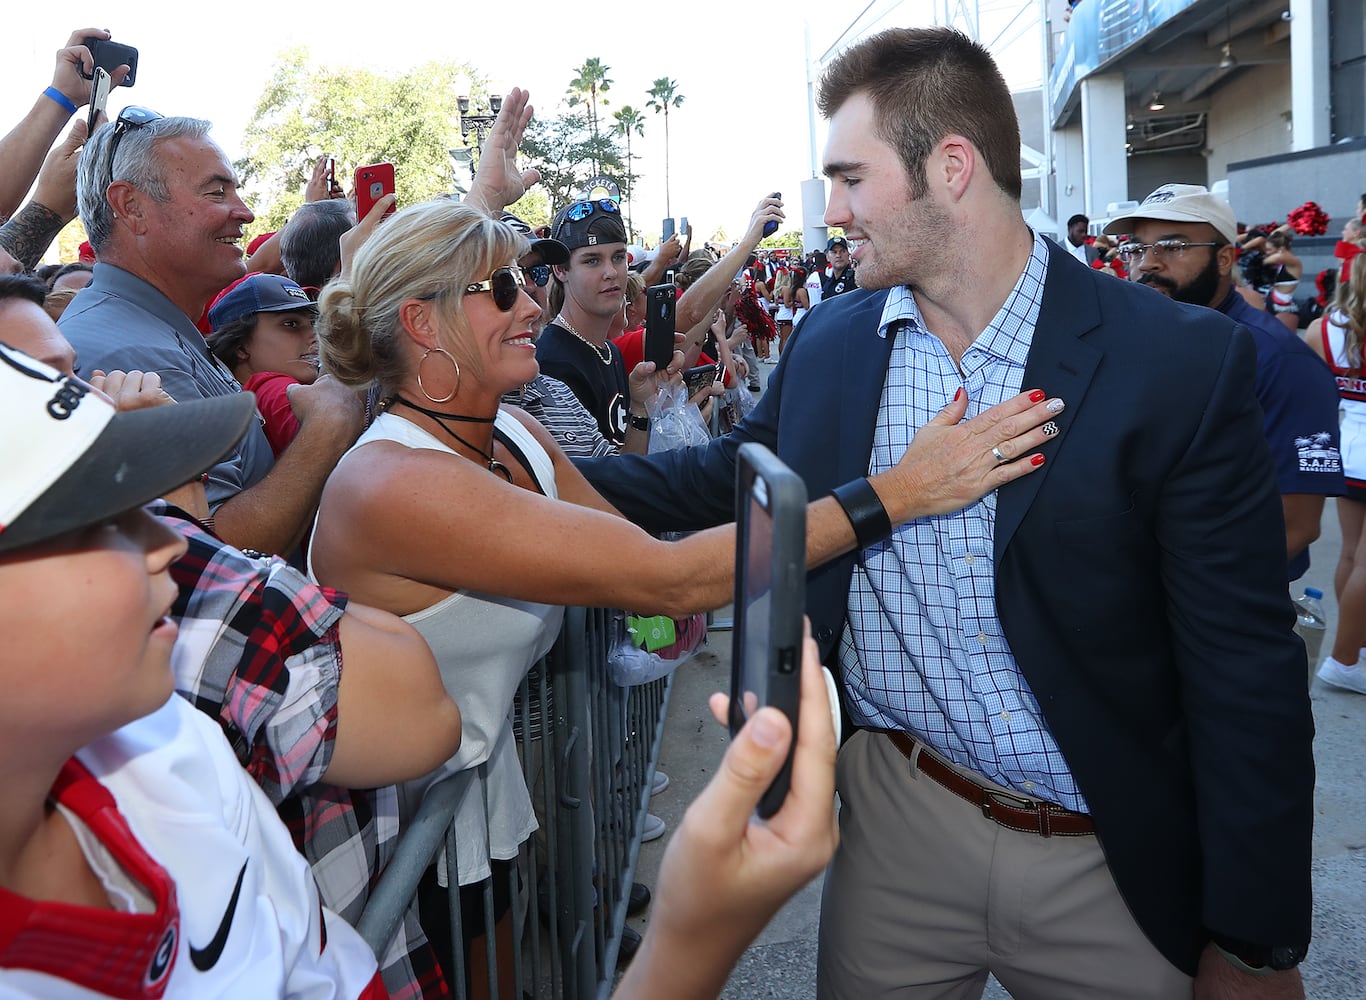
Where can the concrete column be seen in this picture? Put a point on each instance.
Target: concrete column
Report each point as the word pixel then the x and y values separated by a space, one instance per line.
pixel 1069 173
pixel 1105 164
pixel 1310 100
pixel 813 214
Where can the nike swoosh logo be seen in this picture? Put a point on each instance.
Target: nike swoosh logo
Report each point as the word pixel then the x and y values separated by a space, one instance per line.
pixel 205 959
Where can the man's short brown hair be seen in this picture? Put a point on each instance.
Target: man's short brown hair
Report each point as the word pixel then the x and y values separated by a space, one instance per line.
pixel 926 83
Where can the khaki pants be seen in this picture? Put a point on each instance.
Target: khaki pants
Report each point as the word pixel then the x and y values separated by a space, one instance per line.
pixel 926 895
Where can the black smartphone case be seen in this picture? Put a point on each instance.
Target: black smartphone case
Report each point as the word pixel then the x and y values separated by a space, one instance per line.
pixel 111 55
pixel 660 301
pixel 786 505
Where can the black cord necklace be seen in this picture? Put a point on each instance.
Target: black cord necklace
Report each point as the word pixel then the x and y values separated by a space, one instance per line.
pixel 493 464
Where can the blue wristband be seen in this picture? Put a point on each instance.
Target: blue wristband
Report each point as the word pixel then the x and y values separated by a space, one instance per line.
pixel 61 99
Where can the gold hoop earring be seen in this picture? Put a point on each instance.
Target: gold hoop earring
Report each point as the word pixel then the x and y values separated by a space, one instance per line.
pixel 454 364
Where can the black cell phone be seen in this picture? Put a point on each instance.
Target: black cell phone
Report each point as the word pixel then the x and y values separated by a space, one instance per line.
pixel 696 378
pixel 770 592
pixel 110 56
pixel 659 325
pixel 772 227
pixel 668 230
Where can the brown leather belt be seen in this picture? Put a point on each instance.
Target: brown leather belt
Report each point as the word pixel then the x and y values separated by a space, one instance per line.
pixel 1043 818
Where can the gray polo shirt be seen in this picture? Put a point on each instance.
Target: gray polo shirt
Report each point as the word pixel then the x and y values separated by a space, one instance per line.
pixel 121 322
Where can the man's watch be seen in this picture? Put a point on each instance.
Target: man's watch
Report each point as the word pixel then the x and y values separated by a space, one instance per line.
pixel 639 423
pixel 1258 959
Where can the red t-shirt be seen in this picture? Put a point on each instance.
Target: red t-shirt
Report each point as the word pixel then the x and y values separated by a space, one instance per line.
pixel 272 402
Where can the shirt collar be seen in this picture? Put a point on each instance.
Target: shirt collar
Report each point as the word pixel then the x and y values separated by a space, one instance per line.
pixel 1010 331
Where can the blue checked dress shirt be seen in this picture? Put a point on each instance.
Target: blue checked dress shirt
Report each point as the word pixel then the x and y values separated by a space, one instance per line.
pixel 923 650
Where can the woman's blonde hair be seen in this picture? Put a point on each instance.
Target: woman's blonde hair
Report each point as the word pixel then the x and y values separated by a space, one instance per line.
pixel 428 251
pixel 1350 303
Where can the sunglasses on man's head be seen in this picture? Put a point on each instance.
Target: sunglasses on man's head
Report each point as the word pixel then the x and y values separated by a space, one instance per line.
pixel 581 210
pixel 129 118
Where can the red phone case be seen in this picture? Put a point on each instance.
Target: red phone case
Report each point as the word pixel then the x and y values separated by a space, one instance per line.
pixel 373 182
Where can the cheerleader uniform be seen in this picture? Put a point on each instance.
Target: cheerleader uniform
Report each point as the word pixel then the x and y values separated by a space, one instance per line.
pixel 1352 389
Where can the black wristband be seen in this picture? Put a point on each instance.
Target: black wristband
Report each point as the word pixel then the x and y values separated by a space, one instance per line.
pixel 865 511
pixel 639 423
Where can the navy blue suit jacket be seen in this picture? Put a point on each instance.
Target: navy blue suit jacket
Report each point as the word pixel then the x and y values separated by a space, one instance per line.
pixel 1140 581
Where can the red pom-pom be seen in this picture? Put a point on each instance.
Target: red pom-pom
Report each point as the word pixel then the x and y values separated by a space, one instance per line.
pixel 1308 220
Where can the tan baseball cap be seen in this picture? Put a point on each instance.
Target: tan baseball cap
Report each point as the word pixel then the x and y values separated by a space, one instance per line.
pixel 1181 203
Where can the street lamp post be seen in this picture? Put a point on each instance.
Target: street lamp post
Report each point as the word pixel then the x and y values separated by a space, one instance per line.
pixel 477 126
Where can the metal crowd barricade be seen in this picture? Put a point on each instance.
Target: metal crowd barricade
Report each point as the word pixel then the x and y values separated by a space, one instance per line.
pixel 588 749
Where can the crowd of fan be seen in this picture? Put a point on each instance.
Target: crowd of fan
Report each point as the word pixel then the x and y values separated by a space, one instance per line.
pixel 263 568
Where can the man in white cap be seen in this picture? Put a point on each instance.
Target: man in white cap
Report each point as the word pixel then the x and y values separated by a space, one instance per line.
pixel 1180 241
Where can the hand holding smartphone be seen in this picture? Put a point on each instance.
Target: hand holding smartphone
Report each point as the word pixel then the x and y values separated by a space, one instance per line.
pixel 770 591
pixel 771 227
pixel 372 183
pixel 659 324
pixel 109 56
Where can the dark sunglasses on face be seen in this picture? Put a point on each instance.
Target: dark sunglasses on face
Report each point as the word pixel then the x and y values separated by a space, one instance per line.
pixel 537 274
pixel 505 284
pixel 129 118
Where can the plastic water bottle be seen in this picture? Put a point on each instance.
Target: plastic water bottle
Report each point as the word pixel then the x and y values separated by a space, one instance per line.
pixel 1310 625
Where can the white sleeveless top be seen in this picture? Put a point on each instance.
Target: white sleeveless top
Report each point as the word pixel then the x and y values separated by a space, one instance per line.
pixel 484 645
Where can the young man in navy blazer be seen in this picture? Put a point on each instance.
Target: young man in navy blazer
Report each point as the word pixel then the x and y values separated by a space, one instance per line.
pixel 1083 756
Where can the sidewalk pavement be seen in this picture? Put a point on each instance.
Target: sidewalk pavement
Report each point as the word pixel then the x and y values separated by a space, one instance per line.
pixel 782 962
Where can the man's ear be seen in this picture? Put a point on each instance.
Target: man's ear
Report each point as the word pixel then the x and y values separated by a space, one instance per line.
pixel 953 163
pixel 129 205
pixel 1227 255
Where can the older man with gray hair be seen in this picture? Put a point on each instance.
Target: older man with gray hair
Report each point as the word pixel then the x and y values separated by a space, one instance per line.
pixel 160 203
pixel 310 246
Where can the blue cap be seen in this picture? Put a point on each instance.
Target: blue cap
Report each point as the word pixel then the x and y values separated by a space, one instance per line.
pixel 258 293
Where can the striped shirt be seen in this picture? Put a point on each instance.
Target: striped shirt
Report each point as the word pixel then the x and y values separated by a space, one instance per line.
pixel 924 650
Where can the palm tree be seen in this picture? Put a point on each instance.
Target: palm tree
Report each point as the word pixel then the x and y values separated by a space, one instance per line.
pixel 629 120
pixel 664 95
pixel 591 81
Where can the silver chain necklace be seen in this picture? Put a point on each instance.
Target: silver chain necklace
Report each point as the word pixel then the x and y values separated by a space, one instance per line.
pixel 560 321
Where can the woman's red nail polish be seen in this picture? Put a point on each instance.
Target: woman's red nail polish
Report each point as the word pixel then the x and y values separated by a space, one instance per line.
pixel 958 395
pixel 1036 396
pixel 1036 460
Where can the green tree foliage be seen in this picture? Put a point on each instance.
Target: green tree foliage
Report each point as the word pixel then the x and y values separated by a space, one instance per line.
pixel 590 84
pixel 565 151
pixel 628 120
pixel 663 96
pixel 788 238
pixel 360 117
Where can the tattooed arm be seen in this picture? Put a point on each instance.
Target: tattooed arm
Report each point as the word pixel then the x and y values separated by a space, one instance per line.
pixel 29 233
